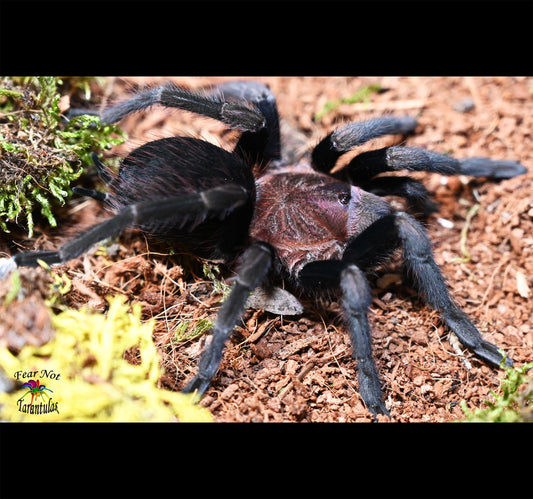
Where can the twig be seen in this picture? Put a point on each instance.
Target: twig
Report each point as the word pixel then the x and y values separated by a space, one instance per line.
pixel 456 345
pixel 464 234
pixel 296 346
pixel 305 370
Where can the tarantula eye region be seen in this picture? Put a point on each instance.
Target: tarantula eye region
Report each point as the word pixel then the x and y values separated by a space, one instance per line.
pixel 344 198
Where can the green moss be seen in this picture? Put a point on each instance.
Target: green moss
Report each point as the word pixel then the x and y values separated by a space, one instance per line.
pixel 184 333
pixel 41 152
pixel 362 95
pixel 212 272
pixel 92 380
pixel 514 403
pixel 14 289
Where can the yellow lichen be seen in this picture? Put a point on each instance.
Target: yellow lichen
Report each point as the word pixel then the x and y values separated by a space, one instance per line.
pixel 86 376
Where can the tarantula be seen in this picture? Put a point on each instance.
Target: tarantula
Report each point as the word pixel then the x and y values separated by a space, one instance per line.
pixel 279 218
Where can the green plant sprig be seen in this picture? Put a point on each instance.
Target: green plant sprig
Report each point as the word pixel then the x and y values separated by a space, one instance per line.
pixel 513 404
pixel 362 95
pixel 41 152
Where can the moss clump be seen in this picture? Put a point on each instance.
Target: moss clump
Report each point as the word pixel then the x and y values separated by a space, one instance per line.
pixel 513 404
pixel 85 368
pixel 42 152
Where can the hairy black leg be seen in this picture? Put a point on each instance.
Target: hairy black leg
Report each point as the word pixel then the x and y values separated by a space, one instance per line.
pixel 256 263
pixel 430 283
pixel 372 246
pixel 491 168
pixel 90 193
pixel 369 164
pixel 103 171
pixel 105 175
pixel 235 114
pixel 342 140
pixel 412 190
pixel 192 208
pixel 265 144
pixel 356 300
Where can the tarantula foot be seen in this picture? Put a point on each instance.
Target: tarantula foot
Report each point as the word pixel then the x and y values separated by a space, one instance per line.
pixel 378 409
pixel 198 385
pixel 492 354
pixel 7 265
pixel 496 169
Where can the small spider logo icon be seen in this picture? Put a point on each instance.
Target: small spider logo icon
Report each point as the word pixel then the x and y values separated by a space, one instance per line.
pixel 36 390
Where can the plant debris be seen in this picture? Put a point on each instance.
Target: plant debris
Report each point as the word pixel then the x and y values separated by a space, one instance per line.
pixel 42 151
pixel 105 368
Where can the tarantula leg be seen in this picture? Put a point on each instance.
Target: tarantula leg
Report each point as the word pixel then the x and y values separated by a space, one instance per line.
pixel 249 91
pixel 356 300
pixel 103 171
pixel 265 144
pixel 491 168
pixel 193 208
pixel 430 282
pixel 235 114
pixel 104 174
pixel 342 140
pixel 90 193
pixel 374 244
pixel 256 263
pixel 412 190
pixel 371 163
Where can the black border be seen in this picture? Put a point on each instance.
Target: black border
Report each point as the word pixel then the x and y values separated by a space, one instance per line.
pixel 290 37
pixel 331 38
pixel 232 460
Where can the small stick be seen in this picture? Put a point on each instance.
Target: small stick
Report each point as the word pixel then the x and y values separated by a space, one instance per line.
pixel 464 234
pixel 306 369
pixel 456 345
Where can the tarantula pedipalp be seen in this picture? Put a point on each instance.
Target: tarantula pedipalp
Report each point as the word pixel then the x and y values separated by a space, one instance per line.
pixel 276 219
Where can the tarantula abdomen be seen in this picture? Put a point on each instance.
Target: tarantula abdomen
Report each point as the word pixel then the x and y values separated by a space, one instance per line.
pixel 183 165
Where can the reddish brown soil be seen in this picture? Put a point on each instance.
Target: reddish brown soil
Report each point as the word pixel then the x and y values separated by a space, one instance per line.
pixel 300 369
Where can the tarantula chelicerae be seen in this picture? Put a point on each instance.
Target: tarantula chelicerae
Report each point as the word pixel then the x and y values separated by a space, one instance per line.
pixel 274 219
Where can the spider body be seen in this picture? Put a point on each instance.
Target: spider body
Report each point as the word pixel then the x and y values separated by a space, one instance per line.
pixel 178 166
pixel 308 216
pixel 279 215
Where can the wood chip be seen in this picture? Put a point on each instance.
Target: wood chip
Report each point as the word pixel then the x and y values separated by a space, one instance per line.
pixel 296 346
pixel 521 285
